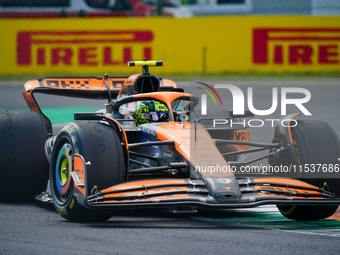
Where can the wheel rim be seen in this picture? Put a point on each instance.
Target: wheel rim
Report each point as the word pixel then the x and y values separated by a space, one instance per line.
pixel 63 169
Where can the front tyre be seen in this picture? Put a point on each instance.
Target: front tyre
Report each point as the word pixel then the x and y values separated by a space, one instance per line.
pixel 300 212
pixel 315 142
pixel 97 143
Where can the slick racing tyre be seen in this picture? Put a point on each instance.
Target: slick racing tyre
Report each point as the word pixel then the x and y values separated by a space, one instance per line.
pixel 98 144
pixel 23 164
pixel 315 142
pixel 300 212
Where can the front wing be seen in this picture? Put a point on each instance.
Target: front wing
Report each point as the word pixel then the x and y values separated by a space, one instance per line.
pixel 192 192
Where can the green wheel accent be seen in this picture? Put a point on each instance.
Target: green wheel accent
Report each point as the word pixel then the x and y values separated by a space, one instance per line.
pixel 64 175
pixel 63 169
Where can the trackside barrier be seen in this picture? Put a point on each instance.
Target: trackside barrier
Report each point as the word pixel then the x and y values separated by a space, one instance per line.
pixel 188 45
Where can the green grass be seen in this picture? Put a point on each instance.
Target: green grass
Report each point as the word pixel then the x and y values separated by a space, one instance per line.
pixel 60 115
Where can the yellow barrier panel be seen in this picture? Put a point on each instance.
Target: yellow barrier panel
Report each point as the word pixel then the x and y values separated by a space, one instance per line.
pixel 192 45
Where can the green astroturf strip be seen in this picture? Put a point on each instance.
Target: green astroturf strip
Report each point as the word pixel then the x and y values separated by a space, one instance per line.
pixel 64 115
pixel 277 221
pixel 60 115
pixel 261 218
pixel 290 224
pixel 250 217
pixel 3 110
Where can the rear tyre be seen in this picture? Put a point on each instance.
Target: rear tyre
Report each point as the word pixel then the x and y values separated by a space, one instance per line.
pixel 98 144
pixel 315 142
pixel 23 164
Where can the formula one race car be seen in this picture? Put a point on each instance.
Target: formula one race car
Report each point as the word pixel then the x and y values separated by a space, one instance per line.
pixel 147 148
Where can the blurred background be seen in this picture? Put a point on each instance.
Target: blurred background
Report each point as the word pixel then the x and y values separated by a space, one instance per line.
pixel 83 8
pixel 89 37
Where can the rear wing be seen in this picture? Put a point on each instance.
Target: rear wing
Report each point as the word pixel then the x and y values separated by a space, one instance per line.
pixel 97 88
pixel 81 87
pixel 88 87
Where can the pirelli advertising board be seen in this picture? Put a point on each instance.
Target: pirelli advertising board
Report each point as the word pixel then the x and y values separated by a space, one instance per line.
pixel 191 45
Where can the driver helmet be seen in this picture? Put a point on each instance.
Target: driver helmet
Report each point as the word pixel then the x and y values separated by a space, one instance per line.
pixel 150 111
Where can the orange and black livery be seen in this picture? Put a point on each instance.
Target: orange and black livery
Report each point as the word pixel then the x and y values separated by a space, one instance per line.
pixel 148 147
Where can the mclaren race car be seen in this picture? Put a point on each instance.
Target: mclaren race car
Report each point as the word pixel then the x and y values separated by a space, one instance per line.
pixel 147 148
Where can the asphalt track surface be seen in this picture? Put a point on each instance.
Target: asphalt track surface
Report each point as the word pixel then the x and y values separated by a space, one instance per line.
pixel 34 228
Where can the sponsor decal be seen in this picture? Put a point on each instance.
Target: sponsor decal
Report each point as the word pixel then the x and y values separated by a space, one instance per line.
pixel 128 117
pixel 296 46
pixel 82 48
pixel 224 180
pixel 241 135
pixel 184 117
pixel 72 84
pixel 72 203
pixel 62 211
pixel 80 83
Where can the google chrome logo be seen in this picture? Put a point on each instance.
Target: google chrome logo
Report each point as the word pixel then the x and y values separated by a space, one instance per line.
pixel 224 180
